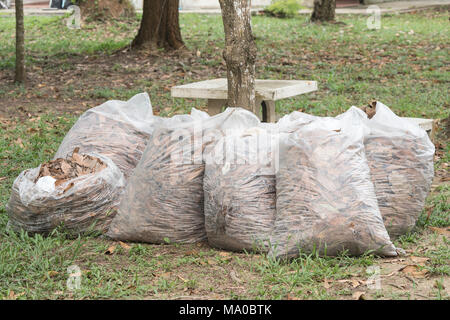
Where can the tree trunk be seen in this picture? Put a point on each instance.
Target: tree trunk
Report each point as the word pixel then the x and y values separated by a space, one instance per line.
pixel 160 27
pixel 20 75
pixel 239 54
pixel 324 10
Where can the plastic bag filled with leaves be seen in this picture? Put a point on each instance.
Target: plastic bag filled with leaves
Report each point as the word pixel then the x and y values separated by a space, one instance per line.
pixel 163 200
pixel 239 187
pixel 326 201
pixel 79 193
pixel 400 156
pixel 116 129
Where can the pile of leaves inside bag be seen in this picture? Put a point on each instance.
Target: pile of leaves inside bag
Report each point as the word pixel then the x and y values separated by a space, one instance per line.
pixel 352 183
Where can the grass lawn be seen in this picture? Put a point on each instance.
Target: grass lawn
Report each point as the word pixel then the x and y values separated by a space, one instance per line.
pixel 404 65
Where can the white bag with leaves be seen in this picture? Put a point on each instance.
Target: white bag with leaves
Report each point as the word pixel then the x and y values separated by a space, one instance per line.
pixel 400 156
pixel 239 187
pixel 163 200
pixel 325 199
pixel 80 194
pixel 116 129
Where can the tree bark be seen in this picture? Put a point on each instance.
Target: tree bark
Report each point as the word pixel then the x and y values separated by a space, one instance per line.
pixel 160 27
pixel 239 54
pixel 20 75
pixel 324 10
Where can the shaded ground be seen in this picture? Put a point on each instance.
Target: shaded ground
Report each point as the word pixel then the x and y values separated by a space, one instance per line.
pixel 404 64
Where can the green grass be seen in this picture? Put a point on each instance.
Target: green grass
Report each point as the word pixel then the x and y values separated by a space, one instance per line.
pixel 407 71
pixel 352 64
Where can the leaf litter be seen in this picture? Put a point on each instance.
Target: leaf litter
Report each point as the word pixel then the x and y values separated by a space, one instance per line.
pixel 74 166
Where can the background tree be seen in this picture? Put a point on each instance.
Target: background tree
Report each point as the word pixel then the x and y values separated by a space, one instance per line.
pixel 239 53
pixel 20 75
pixel 160 27
pixel 324 10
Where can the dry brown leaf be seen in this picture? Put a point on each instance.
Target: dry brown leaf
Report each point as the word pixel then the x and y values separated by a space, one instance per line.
pixel 2 178
pixel 359 295
pixel 443 231
pixel 20 143
pixel 52 273
pixel 60 182
pixel 419 260
pixel 124 245
pixel 326 283
pixel 414 271
pixel 111 250
pixel 224 254
pixel 292 297
pixel 69 186
pixel 391 274
pixel 13 296
pixel 355 283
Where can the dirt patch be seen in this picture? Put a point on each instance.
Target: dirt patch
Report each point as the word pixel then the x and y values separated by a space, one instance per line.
pixel 101 9
pixel 90 81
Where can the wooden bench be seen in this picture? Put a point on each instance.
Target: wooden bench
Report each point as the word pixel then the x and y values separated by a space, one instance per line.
pixel 267 92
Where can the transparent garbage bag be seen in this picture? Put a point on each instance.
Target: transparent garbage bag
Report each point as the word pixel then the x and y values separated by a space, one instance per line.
pixel 326 201
pixel 116 129
pixel 400 156
pixel 82 204
pixel 163 200
pixel 239 185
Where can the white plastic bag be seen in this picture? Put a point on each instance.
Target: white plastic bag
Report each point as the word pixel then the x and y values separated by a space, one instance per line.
pixel 400 156
pixel 239 187
pixel 325 198
pixel 163 200
pixel 116 129
pixel 88 205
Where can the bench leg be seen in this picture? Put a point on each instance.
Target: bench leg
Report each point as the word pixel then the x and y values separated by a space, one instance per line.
pixel 268 111
pixel 215 106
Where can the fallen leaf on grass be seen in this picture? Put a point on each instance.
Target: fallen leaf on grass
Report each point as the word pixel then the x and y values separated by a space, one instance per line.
pixel 443 231
pixel 224 254
pixel 192 252
pixel 414 271
pixel 419 260
pixel 124 245
pixel 359 295
pixel 111 250
pixel 292 297
pixel 20 143
pixel 181 278
pixel 52 274
pixel 355 283
pixel 13 296
pixel 326 283
pixel 2 178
